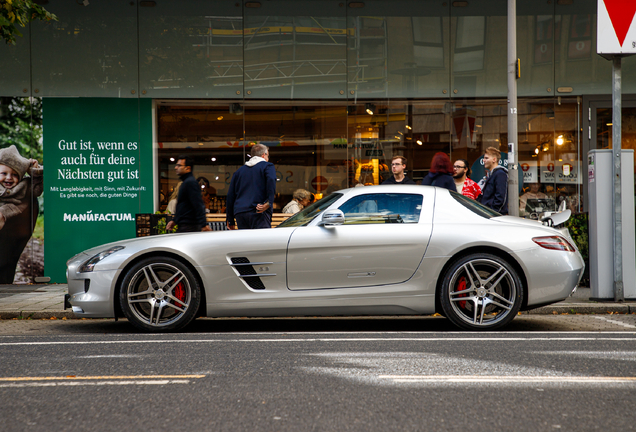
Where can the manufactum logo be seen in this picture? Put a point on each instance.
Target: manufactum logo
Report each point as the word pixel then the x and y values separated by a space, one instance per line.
pixel 98 217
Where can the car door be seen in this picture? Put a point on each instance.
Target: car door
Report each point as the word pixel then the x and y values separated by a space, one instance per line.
pixel 382 242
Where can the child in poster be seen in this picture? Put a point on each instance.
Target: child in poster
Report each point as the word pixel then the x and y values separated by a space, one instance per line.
pixel 18 207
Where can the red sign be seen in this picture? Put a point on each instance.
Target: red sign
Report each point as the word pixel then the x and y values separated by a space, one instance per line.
pixel 616 27
pixel 319 183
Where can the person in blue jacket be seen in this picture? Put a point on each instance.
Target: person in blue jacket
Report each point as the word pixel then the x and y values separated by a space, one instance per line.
pixel 441 173
pixel 250 199
pixel 495 189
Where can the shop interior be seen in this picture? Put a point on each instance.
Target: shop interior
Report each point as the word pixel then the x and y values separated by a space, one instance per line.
pixel 326 146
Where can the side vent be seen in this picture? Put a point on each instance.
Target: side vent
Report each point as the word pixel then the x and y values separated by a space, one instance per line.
pixel 247 273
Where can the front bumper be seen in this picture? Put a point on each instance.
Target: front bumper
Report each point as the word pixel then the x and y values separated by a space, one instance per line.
pixel 90 294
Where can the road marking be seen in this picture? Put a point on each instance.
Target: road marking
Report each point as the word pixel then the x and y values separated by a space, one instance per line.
pixel 96 383
pixel 614 322
pixel 99 377
pixel 369 339
pixel 505 379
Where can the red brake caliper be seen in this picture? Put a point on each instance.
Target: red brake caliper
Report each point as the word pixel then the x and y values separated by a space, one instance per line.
pixel 461 286
pixel 179 292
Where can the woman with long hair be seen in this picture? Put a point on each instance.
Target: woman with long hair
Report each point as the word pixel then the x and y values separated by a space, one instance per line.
pixel 441 173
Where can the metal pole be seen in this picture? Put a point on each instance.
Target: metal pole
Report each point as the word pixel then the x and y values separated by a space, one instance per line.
pixel 617 222
pixel 513 176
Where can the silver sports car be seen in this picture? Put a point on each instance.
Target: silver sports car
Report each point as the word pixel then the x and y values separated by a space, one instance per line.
pixel 380 250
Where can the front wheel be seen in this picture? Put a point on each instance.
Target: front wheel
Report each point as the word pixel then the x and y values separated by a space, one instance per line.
pixel 481 292
pixel 159 294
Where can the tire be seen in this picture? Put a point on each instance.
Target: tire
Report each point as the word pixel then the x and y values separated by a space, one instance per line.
pixel 159 294
pixel 481 292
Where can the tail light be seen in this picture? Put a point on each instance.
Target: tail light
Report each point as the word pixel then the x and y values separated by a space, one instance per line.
pixel 554 243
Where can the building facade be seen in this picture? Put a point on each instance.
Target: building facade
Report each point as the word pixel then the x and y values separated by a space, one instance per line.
pixel 335 88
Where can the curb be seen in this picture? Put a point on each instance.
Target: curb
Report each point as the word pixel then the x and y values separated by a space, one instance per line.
pixel 26 315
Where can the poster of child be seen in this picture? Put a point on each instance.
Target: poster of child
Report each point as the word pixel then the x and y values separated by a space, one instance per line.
pixel 18 207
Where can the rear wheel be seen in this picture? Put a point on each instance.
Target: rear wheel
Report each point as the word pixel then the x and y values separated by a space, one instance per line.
pixel 481 292
pixel 160 294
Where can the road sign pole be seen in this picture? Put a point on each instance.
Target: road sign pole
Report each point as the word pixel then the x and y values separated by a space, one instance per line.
pixel 513 175
pixel 617 222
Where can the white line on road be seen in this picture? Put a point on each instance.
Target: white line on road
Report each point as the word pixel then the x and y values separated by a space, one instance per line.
pixel 491 378
pixel 94 383
pixel 370 339
pixel 614 322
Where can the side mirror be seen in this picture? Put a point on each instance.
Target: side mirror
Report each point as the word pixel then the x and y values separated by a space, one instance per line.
pixel 332 218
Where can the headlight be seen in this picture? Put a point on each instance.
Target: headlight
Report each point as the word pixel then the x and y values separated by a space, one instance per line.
pixel 88 265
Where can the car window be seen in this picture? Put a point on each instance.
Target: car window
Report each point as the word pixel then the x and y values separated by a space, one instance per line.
pixel 382 208
pixel 308 214
pixel 474 206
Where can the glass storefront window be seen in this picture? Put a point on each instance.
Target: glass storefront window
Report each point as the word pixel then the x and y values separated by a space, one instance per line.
pixel 325 147
pixel 212 135
pixel 307 145
pixel 549 155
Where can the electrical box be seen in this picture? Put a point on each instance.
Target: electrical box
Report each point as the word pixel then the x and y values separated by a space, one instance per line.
pixel 601 237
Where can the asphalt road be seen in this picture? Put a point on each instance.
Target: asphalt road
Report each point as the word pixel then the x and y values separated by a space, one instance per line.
pixel 543 373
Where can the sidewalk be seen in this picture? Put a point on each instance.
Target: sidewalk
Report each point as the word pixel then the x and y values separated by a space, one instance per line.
pixel 46 301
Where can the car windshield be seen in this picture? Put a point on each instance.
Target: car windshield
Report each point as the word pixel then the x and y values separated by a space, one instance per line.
pixel 474 206
pixel 308 214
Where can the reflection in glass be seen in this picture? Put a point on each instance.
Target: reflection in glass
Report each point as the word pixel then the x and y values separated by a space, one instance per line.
pixel 191 49
pixel 90 52
pixel 470 44
pixel 297 56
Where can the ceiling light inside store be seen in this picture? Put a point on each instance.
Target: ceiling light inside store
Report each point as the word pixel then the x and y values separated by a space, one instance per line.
pixel 419 142
pixel 560 140
pixel 409 127
pixel 400 133
pixel 608 124
pixel 213 159
pixel 219 118
pixel 171 159
pixel 200 143
pixel 536 151
pixel 370 108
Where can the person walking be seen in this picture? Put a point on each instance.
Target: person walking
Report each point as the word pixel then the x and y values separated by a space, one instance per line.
pixel 190 210
pixel 465 186
pixel 250 199
pixel 440 173
pixel 398 166
pixel 495 190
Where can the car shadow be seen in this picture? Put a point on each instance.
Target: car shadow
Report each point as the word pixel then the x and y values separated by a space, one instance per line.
pixel 303 324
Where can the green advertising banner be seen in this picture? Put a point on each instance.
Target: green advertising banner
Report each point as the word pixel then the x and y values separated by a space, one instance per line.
pixel 98 174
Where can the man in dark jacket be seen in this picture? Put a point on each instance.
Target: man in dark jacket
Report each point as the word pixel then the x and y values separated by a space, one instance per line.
pixel 250 198
pixel 190 213
pixel 398 165
pixel 495 189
